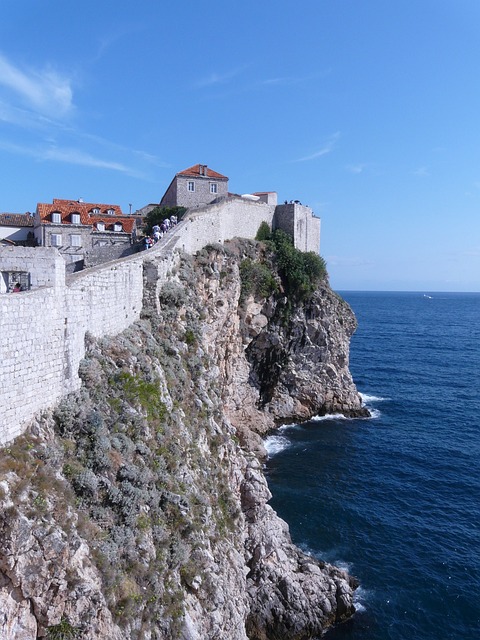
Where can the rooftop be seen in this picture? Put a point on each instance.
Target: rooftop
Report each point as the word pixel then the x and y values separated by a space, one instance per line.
pixel 88 213
pixel 16 220
pixel 201 170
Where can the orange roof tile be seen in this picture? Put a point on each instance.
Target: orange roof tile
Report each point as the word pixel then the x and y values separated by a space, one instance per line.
pixel 66 207
pixel 16 220
pixel 195 172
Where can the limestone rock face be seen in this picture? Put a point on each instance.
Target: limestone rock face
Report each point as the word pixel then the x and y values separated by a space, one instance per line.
pixel 139 507
pixel 46 577
pixel 301 367
pixel 279 369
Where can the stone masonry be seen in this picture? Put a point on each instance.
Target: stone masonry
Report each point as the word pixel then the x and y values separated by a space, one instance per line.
pixel 43 330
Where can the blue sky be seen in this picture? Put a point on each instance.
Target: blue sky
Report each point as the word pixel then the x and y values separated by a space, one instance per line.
pixel 366 110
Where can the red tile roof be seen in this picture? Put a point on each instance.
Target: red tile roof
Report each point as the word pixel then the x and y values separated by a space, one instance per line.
pixel 66 207
pixel 197 170
pixel 16 220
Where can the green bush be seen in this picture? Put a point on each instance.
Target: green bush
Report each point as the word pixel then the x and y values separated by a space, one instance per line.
pixel 264 232
pixel 62 631
pixel 301 272
pixel 147 394
pixel 257 279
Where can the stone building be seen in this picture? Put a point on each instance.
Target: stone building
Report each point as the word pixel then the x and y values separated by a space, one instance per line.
pixel 16 228
pixel 195 187
pixel 79 228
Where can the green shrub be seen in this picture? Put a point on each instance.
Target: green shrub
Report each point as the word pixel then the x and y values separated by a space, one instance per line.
pixel 147 394
pixel 264 232
pixel 62 631
pixel 257 279
pixel 300 271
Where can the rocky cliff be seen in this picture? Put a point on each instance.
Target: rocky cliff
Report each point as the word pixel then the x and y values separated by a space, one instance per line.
pixel 138 508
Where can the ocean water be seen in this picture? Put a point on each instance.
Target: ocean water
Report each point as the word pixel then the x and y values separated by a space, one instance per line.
pixel 395 498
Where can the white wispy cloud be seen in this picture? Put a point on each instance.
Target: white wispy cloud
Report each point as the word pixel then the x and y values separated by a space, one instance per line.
pixel 421 172
pixel 44 91
pixel 293 80
pixel 215 78
pixel 324 150
pixel 38 102
pixel 75 156
pixel 356 168
pixel 69 156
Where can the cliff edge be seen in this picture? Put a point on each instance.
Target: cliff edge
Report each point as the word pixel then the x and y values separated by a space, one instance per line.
pixel 138 508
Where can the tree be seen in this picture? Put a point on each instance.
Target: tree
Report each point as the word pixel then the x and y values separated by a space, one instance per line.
pixel 158 215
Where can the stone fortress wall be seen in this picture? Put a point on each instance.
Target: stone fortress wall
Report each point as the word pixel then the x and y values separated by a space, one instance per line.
pixel 42 338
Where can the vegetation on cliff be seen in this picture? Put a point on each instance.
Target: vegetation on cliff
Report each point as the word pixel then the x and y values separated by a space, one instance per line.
pixel 137 508
pixel 300 272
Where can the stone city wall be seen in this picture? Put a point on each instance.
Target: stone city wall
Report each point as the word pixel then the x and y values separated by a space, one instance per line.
pixel 43 330
pixel 298 221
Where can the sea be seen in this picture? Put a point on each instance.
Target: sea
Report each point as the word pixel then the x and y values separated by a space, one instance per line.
pixel 395 498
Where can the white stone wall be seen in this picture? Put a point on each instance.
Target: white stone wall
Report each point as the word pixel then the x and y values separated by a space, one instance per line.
pixel 229 218
pixel 306 229
pixel 45 265
pixel 31 356
pixel 42 338
pixel 43 330
pixel 298 220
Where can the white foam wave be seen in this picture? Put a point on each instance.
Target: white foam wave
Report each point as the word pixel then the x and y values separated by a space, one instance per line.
pixel 275 444
pixel 343 566
pixel 330 416
pixel 360 597
pixel 366 398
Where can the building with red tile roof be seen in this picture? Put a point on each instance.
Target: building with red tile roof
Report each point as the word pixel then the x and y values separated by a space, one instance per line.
pixel 195 187
pixel 76 227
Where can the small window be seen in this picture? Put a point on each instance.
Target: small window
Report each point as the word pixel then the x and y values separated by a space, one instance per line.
pixel 110 212
pixel 213 187
pixel 96 211
pixel 117 226
pixel 191 185
pixel 56 239
pixel 100 226
pixel 56 217
pixel 75 240
pixel 75 218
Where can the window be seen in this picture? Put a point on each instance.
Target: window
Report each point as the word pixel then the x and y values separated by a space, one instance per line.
pixel 56 217
pixel 56 239
pixel 95 211
pixel 117 226
pixel 75 218
pixel 213 187
pixel 100 226
pixel 191 185
pixel 75 240
pixel 110 212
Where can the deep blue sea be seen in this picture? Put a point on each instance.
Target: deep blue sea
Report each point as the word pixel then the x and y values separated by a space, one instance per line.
pixel 395 498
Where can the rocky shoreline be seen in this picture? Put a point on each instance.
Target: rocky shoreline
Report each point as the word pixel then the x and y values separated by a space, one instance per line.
pixel 138 508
